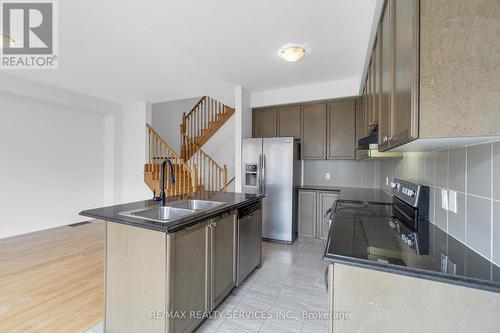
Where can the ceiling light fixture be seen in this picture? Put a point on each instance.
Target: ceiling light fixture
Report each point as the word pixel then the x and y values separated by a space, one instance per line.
pixel 7 41
pixel 292 53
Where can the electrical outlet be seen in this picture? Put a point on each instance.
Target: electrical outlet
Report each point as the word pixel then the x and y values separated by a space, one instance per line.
pixel 444 199
pixel 452 201
pixel 386 181
pixel 327 176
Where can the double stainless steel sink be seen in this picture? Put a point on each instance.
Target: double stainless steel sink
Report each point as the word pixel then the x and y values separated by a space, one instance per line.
pixel 173 210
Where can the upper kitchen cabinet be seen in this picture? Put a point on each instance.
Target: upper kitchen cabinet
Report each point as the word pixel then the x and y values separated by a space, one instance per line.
pixel 360 120
pixel 341 130
pixel 264 123
pixel 459 68
pixel 289 121
pixel 313 132
pixel 404 112
pixel 384 44
pixel 431 87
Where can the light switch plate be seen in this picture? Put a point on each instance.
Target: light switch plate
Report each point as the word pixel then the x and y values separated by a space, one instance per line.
pixel 386 181
pixel 444 199
pixel 327 176
pixel 452 201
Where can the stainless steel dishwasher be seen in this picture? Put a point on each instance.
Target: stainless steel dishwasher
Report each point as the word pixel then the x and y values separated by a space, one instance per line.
pixel 249 253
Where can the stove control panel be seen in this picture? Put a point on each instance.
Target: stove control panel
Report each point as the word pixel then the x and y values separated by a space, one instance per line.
pixel 407 191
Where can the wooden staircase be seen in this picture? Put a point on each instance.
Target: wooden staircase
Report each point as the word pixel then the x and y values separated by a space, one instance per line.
pixel 194 169
pixel 201 123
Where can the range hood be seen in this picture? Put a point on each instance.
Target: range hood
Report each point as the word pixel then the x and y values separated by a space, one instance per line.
pixel 368 147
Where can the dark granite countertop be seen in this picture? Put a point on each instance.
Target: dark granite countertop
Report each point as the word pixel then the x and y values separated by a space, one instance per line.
pixel 361 236
pixel 233 201
pixel 355 194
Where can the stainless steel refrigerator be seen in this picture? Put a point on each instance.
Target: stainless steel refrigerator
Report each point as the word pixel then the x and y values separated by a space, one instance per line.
pixel 271 166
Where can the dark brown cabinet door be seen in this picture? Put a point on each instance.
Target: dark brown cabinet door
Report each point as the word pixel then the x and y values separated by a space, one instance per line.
pixel 313 132
pixel 404 118
pixel 366 104
pixel 360 120
pixel 385 43
pixel 289 121
pixel 341 130
pixel 223 257
pixel 375 84
pixel 264 123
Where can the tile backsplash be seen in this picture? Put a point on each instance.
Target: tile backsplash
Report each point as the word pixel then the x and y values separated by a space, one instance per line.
pixel 342 173
pixel 473 172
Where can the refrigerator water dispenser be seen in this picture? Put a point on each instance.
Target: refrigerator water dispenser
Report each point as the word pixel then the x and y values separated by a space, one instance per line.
pixel 250 174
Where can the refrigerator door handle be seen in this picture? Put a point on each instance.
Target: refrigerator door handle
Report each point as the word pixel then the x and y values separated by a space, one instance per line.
pixel 264 174
pixel 259 180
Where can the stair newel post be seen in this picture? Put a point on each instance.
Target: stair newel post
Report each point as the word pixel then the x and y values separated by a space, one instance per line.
pixel 194 178
pixel 149 145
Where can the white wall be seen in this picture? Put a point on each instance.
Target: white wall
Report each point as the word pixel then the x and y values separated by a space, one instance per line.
pixel 243 129
pixel 167 116
pixel 52 164
pixel 133 152
pixel 310 92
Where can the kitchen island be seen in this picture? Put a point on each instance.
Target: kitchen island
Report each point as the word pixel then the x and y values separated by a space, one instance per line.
pixel 167 276
pixel 387 283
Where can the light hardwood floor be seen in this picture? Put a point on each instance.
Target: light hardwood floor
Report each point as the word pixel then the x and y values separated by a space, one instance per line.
pixel 52 280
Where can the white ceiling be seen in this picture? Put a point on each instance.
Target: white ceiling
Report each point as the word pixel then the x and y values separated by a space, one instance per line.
pixel 123 51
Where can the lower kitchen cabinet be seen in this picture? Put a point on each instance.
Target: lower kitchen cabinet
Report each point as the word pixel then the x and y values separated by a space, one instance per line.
pixel 313 205
pixel 223 257
pixel 307 213
pixel 325 203
pixel 202 268
pixel 189 275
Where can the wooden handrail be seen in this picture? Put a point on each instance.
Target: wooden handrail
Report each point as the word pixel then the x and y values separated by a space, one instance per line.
pixel 224 188
pixel 196 105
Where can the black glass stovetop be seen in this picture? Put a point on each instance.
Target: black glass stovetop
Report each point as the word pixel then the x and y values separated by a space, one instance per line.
pixel 362 234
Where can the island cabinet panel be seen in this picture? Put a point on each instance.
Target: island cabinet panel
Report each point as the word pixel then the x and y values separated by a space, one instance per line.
pixel 135 279
pixel 307 213
pixel 325 204
pixel 187 276
pixel 264 123
pixel 289 121
pixel 313 132
pixel 398 299
pixel 341 130
pixel 223 257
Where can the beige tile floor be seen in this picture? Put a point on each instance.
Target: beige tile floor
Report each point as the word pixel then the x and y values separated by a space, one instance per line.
pixel 290 281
